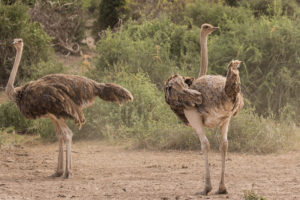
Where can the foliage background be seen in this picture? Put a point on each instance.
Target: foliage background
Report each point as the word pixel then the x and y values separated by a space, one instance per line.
pixel 159 38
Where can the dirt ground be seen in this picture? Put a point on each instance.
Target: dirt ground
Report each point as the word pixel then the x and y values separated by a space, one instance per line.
pixel 101 171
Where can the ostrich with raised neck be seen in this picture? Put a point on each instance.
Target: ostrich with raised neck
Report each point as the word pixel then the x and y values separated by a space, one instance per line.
pixel 60 96
pixel 209 101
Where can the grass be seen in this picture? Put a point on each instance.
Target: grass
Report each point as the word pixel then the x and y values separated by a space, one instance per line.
pixel 251 195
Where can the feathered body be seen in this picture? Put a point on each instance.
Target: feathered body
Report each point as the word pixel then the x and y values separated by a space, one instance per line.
pixel 215 97
pixel 65 96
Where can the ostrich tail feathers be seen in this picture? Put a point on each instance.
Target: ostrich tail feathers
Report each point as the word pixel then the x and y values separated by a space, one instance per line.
pixel 114 93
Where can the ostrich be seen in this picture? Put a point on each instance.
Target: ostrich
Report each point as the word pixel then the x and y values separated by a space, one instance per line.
pixel 60 96
pixel 209 101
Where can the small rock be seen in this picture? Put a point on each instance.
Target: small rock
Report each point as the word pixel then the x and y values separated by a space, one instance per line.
pixel 184 167
pixel 9 160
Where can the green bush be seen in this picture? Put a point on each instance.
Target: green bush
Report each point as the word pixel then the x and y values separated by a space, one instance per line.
pixel 251 195
pixel 217 14
pixel 273 8
pixel 11 2
pixel 15 23
pixel 158 48
pixel 109 13
pixel 10 117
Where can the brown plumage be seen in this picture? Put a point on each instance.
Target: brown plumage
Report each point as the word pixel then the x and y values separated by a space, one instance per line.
pixel 215 97
pixel 208 101
pixel 60 96
pixel 178 95
pixel 65 96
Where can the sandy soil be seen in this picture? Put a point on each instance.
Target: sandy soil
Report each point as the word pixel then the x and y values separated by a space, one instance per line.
pixel 105 172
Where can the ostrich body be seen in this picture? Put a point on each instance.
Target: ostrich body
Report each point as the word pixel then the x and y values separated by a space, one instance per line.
pixel 209 101
pixel 60 96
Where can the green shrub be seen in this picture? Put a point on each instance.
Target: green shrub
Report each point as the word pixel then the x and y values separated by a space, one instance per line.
pixel 109 13
pixel 251 195
pixel 11 2
pixel 216 14
pixel 10 117
pixel 158 47
pixel 43 68
pixel 15 23
pixel 273 8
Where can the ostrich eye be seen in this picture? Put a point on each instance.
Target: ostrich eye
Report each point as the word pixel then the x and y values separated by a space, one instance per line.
pixel 205 26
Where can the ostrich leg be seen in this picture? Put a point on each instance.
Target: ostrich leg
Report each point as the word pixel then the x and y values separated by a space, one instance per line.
pixel 65 136
pixel 223 149
pixel 68 140
pixel 59 172
pixel 195 121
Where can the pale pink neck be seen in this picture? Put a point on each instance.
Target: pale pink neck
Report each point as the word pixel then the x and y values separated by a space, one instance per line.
pixel 204 56
pixel 9 90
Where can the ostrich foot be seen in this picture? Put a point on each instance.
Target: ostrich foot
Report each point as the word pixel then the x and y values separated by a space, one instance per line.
pixel 57 174
pixel 67 174
pixel 222 190
pixel 205 191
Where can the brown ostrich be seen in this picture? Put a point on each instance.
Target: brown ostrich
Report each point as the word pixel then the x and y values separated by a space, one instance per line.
pixel 209 101
pixel 60 96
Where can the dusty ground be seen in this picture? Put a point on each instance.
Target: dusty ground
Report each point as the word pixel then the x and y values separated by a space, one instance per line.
pixel 105 172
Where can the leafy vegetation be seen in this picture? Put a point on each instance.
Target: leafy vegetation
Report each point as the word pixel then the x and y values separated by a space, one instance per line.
pixel 109 13
pixel 251 195
pixel 15 23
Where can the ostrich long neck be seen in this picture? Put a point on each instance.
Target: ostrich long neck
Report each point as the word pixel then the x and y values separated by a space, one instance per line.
pixel 204 56
pixel 10 90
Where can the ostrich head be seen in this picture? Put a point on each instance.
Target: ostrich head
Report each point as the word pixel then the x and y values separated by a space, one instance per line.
pixel 18 43
pixel 207 29
pixel 234 64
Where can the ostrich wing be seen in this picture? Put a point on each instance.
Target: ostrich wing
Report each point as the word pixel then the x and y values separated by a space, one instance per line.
pixel 179 96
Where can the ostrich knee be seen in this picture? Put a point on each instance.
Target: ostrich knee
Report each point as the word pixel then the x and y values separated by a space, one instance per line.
pixel 205 146
pixel 224 147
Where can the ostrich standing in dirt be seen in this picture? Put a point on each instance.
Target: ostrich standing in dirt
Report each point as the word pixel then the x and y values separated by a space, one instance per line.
pixel 60 96
pixel 209 101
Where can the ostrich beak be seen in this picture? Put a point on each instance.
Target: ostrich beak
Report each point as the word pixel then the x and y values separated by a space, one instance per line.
pixel 215 28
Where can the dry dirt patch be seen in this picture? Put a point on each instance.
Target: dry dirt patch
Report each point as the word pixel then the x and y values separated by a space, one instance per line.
pixel 105 172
